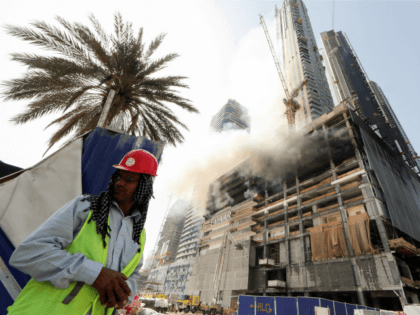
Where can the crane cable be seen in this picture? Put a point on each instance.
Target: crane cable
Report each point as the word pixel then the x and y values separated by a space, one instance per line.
pixel 333 16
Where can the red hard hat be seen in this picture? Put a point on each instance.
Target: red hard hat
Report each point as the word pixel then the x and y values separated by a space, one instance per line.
pixel 138 161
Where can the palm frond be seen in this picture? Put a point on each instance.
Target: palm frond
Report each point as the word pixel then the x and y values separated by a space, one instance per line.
pixel 154 45
pixel 76 83
pixel 99 30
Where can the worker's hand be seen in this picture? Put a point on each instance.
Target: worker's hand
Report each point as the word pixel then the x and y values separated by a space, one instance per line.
pixel 112 289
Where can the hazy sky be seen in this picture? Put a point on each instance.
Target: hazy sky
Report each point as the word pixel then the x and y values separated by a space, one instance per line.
pixel 225 55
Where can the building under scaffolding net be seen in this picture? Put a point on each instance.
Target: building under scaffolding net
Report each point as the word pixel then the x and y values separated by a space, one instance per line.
pixel 338 222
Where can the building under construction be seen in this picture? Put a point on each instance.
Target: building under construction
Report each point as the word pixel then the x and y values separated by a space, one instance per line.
pixel 166 246
pixel 171 266
pixel 339 221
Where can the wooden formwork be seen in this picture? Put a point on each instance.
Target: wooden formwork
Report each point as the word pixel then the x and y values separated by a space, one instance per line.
pixel 353 199
pixel 407 281
pixel 275 223
pixel 258 228
pixel 401 245
pixel 293 218
pixel 244 215
pixel 327 208
pixel 275 238
pixel 276 212
pixel 241 212
pixel 321 183
pixel 351 185
pixel 294 233
pixel 346 161
pixel 348 173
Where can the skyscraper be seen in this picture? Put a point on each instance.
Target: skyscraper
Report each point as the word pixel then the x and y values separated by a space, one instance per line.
pixel 350 83
pixel 301 61
pixel 392 120
pixel 231 116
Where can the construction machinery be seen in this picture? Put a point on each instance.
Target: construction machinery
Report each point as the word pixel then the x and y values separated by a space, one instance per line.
pixel 292 106
pixel 188 303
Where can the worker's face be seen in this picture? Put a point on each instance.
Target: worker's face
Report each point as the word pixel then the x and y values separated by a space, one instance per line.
pixel 125 185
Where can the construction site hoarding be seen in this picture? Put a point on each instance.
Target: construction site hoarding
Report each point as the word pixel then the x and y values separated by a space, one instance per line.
pixel 259 305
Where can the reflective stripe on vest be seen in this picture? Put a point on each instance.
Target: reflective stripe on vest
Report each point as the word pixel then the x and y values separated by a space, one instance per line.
pixel 40 298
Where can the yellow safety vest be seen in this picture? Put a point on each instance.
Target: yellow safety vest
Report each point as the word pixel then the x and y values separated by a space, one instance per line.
pixel 40 298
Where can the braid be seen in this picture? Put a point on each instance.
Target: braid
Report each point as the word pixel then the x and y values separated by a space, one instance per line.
pixel 101 205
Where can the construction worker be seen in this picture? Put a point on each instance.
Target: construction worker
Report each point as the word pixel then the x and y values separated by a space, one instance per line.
pixel 86 257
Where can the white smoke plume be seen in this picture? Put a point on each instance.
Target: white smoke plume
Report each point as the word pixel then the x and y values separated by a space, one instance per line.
pixel 250 193
pixel 207 156
pixel 179 208
pixel 221 200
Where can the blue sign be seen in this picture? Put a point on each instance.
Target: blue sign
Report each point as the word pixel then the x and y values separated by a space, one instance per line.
pixel 246 305
pixel 265 305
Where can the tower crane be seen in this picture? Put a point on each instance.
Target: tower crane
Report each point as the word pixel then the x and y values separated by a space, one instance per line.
pixel 292 106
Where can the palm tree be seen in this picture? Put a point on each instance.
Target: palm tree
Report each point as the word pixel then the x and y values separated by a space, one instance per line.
pixel 76 80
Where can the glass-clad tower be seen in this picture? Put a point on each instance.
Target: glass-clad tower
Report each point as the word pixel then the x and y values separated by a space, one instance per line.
pixel 190 236
pixel 350 83
pixel 231 116
pixel 302 61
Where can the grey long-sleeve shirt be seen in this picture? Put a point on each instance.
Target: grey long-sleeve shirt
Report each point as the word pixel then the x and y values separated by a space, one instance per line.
pixel 42 254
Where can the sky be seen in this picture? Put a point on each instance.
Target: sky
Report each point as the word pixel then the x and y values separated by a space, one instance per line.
pixel 225 55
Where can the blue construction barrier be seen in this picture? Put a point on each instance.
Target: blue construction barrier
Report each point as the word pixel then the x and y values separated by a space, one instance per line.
pixel 262 305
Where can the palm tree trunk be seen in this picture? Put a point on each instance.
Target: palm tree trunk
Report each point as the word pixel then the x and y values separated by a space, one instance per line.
pixel 107 106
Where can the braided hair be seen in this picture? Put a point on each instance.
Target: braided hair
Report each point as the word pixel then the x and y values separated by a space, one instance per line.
pixel 101 205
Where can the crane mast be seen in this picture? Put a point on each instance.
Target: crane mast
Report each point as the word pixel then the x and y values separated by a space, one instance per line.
pixel 274 56
pixel 291 105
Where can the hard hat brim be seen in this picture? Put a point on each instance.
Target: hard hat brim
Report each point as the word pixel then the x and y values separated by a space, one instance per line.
pixel 128 169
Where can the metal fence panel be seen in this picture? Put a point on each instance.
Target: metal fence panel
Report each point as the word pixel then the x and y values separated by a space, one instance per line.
pixel 307 305
pixel 340 308
pixel 329 304
pixel 286 306
pixel 246 305
pixel 350 308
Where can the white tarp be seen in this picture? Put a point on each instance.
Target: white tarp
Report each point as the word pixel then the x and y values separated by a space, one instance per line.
pixel 412 309
pixel 32 197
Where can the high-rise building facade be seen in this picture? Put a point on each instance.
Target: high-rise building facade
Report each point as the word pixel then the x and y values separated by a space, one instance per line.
pixel 190 236
pixel 392 120
pixel 351 84
pixel 302 61
pixel 344 228
pixel 230 117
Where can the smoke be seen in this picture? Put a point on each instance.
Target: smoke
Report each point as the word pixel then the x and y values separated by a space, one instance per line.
pixel 179 208
pixel 273 152
pixel 220 200
pixel 250 193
